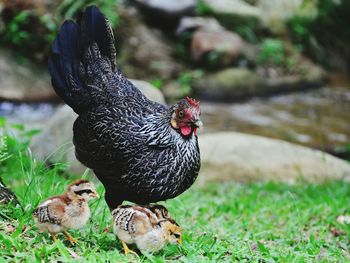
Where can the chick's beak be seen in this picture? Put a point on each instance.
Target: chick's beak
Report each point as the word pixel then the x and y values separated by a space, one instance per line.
pixel 179 241
pixel 95 195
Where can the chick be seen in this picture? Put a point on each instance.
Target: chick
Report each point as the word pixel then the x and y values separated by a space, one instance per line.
pixel 141 226
pixel 69 210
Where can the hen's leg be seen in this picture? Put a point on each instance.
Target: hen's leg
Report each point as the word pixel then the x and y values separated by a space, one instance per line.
pixel 114 194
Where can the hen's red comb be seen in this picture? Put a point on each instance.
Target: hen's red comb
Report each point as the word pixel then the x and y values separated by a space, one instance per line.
pixel 192 102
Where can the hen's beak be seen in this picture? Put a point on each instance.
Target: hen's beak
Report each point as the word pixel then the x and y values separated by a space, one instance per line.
pixel 198 123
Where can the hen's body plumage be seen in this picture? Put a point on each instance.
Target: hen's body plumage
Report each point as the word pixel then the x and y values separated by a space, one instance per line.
pixel 123 136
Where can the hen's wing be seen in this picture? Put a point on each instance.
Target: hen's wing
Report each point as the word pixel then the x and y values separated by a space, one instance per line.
pixel 83 67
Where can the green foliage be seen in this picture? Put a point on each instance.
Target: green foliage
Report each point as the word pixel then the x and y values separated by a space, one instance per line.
pixel 203 9
pixel 325 32
pixel 31 33
pixel 272 52
pixel 28 34
pixel 186 79
pixel 158 83
pixel 213 59
pixel 14 34
pixel 182 46
pixel 69 8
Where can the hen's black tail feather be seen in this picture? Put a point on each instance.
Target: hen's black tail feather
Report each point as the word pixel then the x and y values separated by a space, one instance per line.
pixel 68 59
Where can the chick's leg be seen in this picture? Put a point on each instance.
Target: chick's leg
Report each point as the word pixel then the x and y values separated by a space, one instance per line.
pixel 71 240
pixel 107 228
pixel 53 236
pixel 127 250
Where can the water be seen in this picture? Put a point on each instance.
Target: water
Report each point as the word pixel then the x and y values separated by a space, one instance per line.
pixel 32 115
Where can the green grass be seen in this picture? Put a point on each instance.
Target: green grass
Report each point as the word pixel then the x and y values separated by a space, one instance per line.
pixel 257 222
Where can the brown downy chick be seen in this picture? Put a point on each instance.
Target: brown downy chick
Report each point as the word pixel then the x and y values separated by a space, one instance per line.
pixel 140 226
pixel 66 211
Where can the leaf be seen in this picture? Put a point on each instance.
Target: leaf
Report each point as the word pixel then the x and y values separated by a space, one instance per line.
pixel 63 250
pixel 2 122
pixel 33 132
pixel 19 127
pixel 263 249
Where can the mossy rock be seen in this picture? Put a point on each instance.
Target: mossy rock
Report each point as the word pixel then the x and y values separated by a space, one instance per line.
pixel 234 15
pixel 228 85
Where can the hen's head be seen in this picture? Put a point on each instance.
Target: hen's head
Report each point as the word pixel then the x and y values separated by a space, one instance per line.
pixel 185 117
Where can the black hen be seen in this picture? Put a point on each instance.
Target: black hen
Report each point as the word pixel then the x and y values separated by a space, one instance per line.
pixel 140 150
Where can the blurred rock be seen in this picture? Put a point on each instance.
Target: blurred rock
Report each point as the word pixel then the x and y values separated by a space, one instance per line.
pixel 228 84
pixel 243 158
pixel 23 82
pixel 268 14
pixel 236 9
pixel 225 46
pixel 189 23
pixel 54 143
pixel 145 53
pixel 169 7
pixel 303 75
pixel 275 13
pixel 167 11
pixel 234 84
pixel 149 90
pixel 173 91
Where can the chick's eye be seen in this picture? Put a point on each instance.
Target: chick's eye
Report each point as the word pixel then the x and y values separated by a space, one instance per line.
pixel 176 235
pixel 181 114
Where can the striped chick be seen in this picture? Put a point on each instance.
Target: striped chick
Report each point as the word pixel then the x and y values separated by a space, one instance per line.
pixel 67 211
pixel 142 226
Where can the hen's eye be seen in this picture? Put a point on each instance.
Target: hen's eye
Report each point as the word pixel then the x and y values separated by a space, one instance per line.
pixel 181 114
